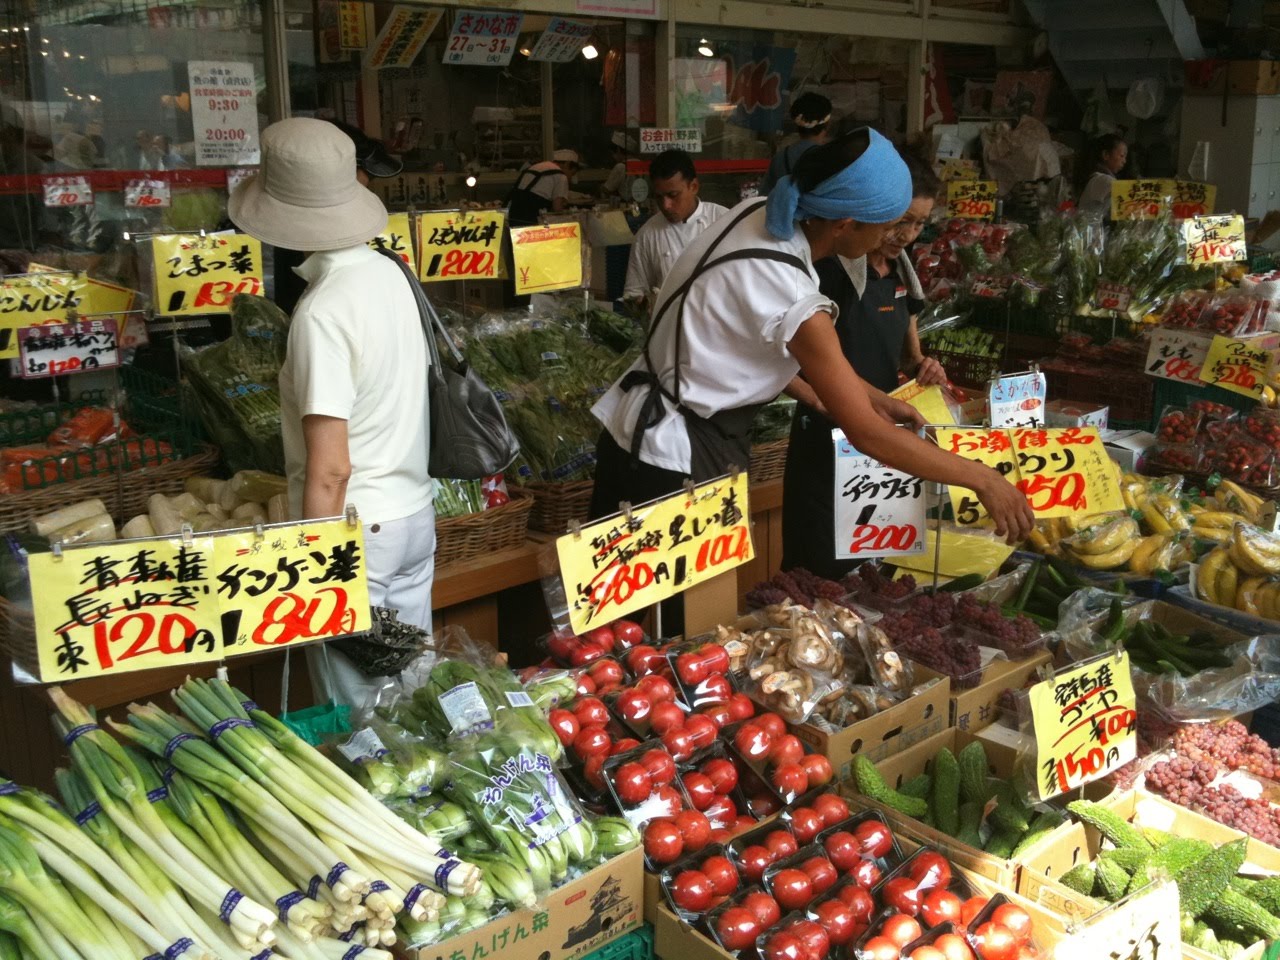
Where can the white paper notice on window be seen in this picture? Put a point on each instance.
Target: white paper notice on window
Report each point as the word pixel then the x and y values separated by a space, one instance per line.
pixel 224 113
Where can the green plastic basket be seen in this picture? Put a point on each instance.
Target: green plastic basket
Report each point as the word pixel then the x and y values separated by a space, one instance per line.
pixel 1171 393
pixel 636 945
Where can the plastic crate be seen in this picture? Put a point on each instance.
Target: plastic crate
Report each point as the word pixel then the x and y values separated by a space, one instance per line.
pixel 967 369
pixel 636 945
pixel 1173 393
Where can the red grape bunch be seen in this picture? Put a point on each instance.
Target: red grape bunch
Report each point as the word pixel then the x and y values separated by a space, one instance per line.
pixel 1231 745
pixel 1013 635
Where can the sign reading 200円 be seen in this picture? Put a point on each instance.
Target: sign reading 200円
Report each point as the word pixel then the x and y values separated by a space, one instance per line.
pixel 112 608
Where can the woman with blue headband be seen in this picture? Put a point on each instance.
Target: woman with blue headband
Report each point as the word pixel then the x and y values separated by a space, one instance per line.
pixel 740 314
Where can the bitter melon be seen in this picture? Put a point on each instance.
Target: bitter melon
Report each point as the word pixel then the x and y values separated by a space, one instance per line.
pixel 1157 838
pixel 1043 824
pixel 1112 880
pixel 1241 913
pixel 1201 883
pixel 1001 843
pixel 1126 858
pixel 970 823
pixel 973 774
pixel 916 786
pixel 1266 893
pixel 1081 878
pixel 871 785
pixel 1110 824
pixel 945 795
pixel 1010 812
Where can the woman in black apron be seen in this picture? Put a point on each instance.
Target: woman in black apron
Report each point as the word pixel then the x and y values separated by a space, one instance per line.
pixel 879 297
pixel 740 314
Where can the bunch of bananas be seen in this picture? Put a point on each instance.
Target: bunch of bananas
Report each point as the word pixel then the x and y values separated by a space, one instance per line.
pixel 1105 545
pixel 1243 573
pixel 1160 551
pixel 1233 498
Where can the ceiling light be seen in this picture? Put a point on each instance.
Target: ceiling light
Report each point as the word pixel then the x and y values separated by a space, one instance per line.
pixel 590 51
pixel 471 181
pixel 526 52
pixel 704 48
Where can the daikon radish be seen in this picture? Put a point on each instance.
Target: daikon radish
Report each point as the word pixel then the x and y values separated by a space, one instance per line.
pixel 45 524
pixel 139 526
pixel 203 522
pixel 215 510
pixel 246 510
pixel 278 508
pixel 256 485
pixel 206 488
pixel 187 505
pixel 97 529
pixel 227 499
pixel 164 519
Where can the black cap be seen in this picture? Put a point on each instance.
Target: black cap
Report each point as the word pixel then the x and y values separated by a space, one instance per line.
pixel 373 157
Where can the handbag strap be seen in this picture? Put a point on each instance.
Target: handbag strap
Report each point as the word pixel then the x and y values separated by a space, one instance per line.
pixel 427 315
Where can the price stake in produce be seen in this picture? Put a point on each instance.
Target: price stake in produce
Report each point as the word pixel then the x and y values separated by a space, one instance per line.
pixel 67 192
pixel 105 609
pixel 547 258
pixel 1192 198
pixel 990 288
pixel 1112 296
pixel 930 401
pixel 396 238
pixel 1240 364
pixel 958 168
pixel 1145 928
pixel 1177 355
pixel 879 511
pixel 971 199
pixel 626 563
pixel 1138 199
pixel 460 246
pixel 1085 722
pixel 196 275
pixel 1214 239
pixel 483 38
pixel 1017 400
pixel 50 350
pixel 147 194
pixel 1065 471
pixel 561 41
pixel 49 297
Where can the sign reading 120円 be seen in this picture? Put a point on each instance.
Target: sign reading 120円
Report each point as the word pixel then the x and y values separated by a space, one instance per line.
pixel 626 563
pixel 879 511
pixel 197 274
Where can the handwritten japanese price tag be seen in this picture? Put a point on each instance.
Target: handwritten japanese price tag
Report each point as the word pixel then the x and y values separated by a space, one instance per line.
pixel 1143 927
pixel 992 447
pixel 1085 724
pixel 1240 364
pixel 879 510
pixel 958 168
pixel 1017 401
pixel 561 41
pixel 1192 199
pixel 971 199
pixel 50 350
pixel 989 287
pixel 484 38
pixel 197 274
pixel 1139 199
pixel 1214 239
pixel 113 608
pixel 617 566
pixel 547 258
pixel 1177 355
pixel 1112 296
pixel 238 175
pixel 461 246
pixel 50 297
pixel 929 400
pixel 1065 471
pixel 67 192
pixel 397 239
pixel 147 194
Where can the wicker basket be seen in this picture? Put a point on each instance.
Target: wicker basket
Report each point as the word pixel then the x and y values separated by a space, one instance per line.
pixel 476 534
pixel 556 504
pixel 768 461
pixel 125 495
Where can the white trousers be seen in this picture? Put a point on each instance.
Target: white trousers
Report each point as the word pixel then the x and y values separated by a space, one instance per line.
pixel 400 557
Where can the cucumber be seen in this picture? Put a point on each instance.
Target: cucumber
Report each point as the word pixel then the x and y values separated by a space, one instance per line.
pixel 970 817
pixel 967 582
pixel 1043 824
pixel 1203 882
pixel 1028 582
pixel 1109 824
pixel 917 786
pixel 945 795
pixel 973 774
pixel 871 785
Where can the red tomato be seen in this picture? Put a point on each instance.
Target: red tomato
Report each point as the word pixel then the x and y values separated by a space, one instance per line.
pixel 603 636
pixel 714 689
pixel 593 771
pixel 691 669
pixel 781 844
pixel 902 894
pixel 842 848
pixel 592 741
pixel 691 890
pixel 837 919
pixel 772 724
pixel 874 838
pixel 719 715
pixel 623 745
pixel 1013 918
pixel 561 647
pixel 859 900
pixel 591 712
pixel 743 824
pixel 701 730
pixel 667 800
pixel 995 942
pixel 817 768
pixel 1028 951
pixel 764 804
pixel 664 717
pixel 822 872
pixel 634 706
pixel 786 749
pixel 789 779
pixel 723 774
pixel 631 781
pixel 607 672
pixel 785 946
pixel 752 741
pixel 662 843
pixel 901 929
pixel 700 789
pixel 723 812
pixel 806 824
pixel 970 909
pixel 814 936
pixel 642 659
pixel 586 686
pixel 719 835
pixel 927 952
pixel 658 688
pixel 930 870
pixel 954 947
pixel 660 765
pixel 866 874
pixel 792 888
pixel 627 634
pixel 716 656
pixel 585 653
pixel 942 906
pixel 694 829
pixel 753 861
pixel 764 908
pixel 565 724
pixel 722 874
pixel 831 808
pixel 880 948
pixel 678 743
pixel 737 929
pixel 741 707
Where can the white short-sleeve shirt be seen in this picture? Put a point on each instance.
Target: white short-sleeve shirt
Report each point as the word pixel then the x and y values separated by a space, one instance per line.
pixel 738 319
pixel 357 352
pixel 552 185
pixel 658 244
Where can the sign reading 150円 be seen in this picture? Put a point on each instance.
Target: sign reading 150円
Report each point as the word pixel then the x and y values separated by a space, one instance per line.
pixel 112 608
pixel 879 511
pixel 197 274
pixel 626 563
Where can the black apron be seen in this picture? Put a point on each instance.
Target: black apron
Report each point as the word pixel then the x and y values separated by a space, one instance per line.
pixel 723 439
pixel 524 207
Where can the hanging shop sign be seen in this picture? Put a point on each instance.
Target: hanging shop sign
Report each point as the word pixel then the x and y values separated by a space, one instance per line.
pixel 618 8
pixel 1139 199
pixel 197 274
pixel 49 297
pixel 353 25
pixel 67 192
pixel 658 139
pixel 1177 355
pixel 50 350
pixel 396 238
pixel 971 199
pixel 547 258
pixel 1017 400
pixel 465 245
pixel 224 112
pixel 112 608
pixel 1219 239
pixel 483 38
pixel 561 41
pixel 147 194
pixel 879 511
pixel 1085 722
pixel 632 561
pixel 1240 364
pixel 930 401
pixel 401 38
pixel 1192 198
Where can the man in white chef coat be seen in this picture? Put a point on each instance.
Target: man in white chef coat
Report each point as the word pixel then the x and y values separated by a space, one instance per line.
pixel 659 243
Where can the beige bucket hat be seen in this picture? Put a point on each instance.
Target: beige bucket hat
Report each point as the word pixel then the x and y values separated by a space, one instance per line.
pixel 306 196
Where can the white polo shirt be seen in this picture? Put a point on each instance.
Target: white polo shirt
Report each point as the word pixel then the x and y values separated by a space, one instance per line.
pixel 738 320
pixel 552 185
pixel 659 243
pixel 357 352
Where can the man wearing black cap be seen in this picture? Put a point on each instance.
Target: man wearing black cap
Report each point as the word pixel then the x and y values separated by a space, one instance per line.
pixel 811 113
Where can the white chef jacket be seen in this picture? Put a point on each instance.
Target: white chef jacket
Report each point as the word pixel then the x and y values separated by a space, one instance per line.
pixel 658 244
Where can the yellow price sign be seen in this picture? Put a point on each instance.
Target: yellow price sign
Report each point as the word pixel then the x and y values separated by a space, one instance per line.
pixel 397 238
pixel 201 274
pixel 105 609
pixel 1139 199
pixel 930 401
pixel 1065 471
pixel 1240 364
pixel 464 245
pixel 960 554
pixel 971 199
pixel 1214 239
pixel 547 258
pixel 1085 722
pixel 958 168
pixel 52 297
pixel 1192 198
pixel 991 447
pixel 626 563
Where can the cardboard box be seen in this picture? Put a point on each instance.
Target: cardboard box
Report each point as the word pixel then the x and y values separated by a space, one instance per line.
pixel 1238 77
pixel 973 708
pixel 1176 619
pixel 1129 448
pixel 1070 413
pixel 886 733
pixel 575 920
